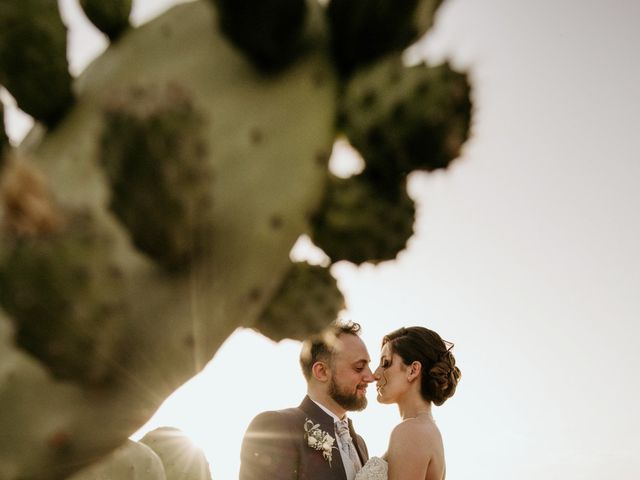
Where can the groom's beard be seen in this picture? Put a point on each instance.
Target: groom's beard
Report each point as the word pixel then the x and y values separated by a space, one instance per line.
pixel 347 400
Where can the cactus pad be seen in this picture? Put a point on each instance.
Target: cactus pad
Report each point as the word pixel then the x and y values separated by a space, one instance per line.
pixel 61 288
pixel 155 157
pixel 403 119
pixel 307 301
pixel 270 32
pixel 358 224
pixel 131 461
pixel 181 459
pixel 365 30
pixel 33 58
pixel 112 17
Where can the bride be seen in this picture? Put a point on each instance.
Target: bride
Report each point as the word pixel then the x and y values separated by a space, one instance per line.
pixel 417 369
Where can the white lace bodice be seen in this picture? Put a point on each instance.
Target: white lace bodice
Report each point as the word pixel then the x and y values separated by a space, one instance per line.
pixel 375 469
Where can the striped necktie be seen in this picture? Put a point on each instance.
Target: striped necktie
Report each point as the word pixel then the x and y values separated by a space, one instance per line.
pixel 346 443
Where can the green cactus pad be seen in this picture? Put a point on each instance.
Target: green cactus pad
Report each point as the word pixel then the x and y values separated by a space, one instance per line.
pixel 112 17
pixel 365 30
pixel 131 461
pixel 308 300
pixel 360 224
pixel 60 289
pixel 269 32
pixel 33 58
pixel 181 459
pixel 156 160
pixel 403 119
pixel 37 426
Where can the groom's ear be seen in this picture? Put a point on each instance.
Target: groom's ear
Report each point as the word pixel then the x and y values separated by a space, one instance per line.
pixel 320 371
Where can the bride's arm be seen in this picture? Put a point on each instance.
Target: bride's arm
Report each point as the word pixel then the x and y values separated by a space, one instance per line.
pixel 408 456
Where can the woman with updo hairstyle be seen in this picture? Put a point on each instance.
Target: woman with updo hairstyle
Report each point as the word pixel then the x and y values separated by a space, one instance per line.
pixel 417 370
pixel 419 344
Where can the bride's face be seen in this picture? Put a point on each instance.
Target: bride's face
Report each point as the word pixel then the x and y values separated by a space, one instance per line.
pixel 391 378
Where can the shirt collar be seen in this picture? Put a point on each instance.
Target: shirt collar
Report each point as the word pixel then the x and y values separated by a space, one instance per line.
pixel 329 412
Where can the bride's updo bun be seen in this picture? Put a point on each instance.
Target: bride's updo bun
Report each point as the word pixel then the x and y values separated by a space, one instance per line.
pixel 440 376
pixel 443 378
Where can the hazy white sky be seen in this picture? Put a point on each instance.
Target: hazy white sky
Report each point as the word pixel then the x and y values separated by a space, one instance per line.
pixel 526 256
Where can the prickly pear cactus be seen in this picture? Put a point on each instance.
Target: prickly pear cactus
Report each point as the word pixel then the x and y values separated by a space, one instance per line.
pixel 131 461
pixel 181 459
pixel 151 210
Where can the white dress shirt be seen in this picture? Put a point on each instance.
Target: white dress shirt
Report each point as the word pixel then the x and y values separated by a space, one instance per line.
pixel 349 468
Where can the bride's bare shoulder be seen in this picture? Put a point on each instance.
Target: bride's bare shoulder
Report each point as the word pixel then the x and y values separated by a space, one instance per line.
pixel 413 447
pixel 416 433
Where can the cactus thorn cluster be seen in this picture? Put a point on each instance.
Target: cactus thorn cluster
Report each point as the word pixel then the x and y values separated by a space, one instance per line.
pixel 154 154
pixel 27 208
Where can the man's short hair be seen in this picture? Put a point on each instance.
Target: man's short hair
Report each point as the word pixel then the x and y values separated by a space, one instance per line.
pixel 319 348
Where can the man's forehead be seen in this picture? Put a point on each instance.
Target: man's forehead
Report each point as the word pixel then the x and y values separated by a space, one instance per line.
pixel 351 348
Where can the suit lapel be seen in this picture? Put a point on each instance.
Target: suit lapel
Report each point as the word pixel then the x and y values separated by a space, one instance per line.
pixel 335 471
pixel 359 444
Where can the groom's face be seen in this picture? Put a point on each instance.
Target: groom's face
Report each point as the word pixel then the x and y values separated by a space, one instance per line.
pixel 350 373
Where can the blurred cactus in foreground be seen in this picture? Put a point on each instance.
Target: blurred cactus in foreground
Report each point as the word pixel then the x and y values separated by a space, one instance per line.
pixel 163 454
pixel 152 208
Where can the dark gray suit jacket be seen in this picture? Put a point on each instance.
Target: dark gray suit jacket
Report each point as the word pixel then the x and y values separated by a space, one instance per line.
pixel 274 447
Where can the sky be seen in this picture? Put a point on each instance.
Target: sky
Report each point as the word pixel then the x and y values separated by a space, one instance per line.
pixel 525 256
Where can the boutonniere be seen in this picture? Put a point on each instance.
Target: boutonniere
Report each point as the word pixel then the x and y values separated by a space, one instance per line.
pixel 318 439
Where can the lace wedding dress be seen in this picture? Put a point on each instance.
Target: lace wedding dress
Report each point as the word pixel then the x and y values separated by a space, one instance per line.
pixel 375 469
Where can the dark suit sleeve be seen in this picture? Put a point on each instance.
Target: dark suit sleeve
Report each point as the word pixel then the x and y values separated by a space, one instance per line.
pixel 269 449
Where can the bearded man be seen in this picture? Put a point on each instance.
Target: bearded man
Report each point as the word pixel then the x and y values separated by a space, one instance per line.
pixel 316 440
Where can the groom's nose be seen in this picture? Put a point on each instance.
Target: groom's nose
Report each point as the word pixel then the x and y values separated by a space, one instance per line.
pixel 368 377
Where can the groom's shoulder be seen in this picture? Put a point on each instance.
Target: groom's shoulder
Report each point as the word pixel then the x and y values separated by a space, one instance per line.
pixel 275 425
pixel 278 416
pixel 270 445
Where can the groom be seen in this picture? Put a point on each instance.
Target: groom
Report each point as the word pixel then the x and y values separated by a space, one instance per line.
pixel 315 441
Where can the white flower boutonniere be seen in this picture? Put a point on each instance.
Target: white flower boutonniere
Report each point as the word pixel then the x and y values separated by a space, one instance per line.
pixel 318 439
